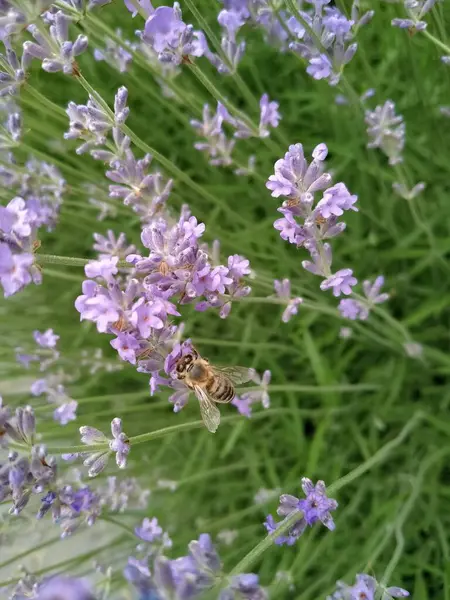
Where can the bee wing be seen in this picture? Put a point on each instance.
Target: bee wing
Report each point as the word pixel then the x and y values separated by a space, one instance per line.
pixel 210 413
pixel 236 375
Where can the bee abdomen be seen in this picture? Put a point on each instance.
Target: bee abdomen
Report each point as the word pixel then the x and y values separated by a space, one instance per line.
pixel 221 390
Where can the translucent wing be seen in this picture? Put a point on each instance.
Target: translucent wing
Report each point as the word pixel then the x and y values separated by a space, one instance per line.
pixel 236 375
pixel 210 413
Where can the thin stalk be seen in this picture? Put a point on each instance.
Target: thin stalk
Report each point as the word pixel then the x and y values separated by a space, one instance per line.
pixel 53 109
pixel 165 431
pixel 398 528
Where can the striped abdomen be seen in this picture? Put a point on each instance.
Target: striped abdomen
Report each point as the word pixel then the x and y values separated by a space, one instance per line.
pixel 220 388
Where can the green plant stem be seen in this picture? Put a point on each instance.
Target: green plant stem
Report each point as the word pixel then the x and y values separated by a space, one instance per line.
pixel 54 110
pixel 398 527
pixel 436 41
pixel 165 431
pixel 68 261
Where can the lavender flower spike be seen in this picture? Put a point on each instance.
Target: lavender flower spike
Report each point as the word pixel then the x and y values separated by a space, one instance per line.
pixel 269 116
pixel 315 507
pixel 366 587
pixel 283 290
pixel 386 131
pixel 57 54
pixel 14 73
pixel 170 38
pixel 120 444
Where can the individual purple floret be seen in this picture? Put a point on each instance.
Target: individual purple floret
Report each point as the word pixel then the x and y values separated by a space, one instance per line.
pixel 66 413
pixel 315 507
pixel 341 282
pixel 283 291
pixel 269 116
pixel 46 339
pixel 145 5
pixel 245 587
pixel 114 54
pixel 408 194
pixel 58 53
pixel 149 531
pixel 367 588
pixel 120 444
pixel 170 38
pixel 16 270
pixel 386 131
pixel 358 310
pixel 69 588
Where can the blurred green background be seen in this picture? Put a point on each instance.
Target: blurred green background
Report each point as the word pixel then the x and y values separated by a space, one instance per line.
pixel 335 402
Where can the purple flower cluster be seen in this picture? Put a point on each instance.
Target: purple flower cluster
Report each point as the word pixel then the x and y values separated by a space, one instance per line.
pixel 56 51
pixel 186 577
pixel 358 310
pixel 366 587
pixel 283 291
pixel 217 145
pixel 315 507
pixel 114 54
pixel 245 401
pixel 416 10
pixel 300 183
pixel 18 226
pixel 325 37
pixel 12 71
pixel 91 123
pixel 322 35
pixel 40 185
pixel 137 306
pixel 169 37
pixel 231 19
pixel 97 460
pixel 47 357
pixel 386 131
pixel 23 476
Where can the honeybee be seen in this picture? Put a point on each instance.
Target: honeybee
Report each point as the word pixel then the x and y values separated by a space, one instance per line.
pixel 210 384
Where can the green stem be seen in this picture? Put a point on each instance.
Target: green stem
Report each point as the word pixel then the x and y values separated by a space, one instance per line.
pixel 68 261
pixel 379 456
pixel 400 540
pixel 436 41
pixel 54 109
pixel 165 431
